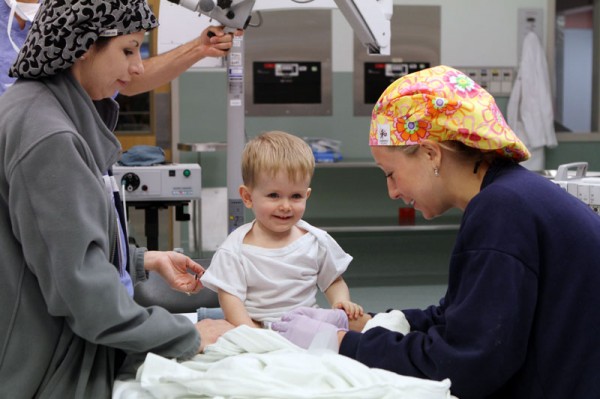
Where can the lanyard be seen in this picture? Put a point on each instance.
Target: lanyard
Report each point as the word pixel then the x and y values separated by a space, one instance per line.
pixel 25 11
pixel 122 254
pixel 11 17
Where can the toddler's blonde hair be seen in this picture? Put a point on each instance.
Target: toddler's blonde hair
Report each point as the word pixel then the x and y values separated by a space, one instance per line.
pixel 276 151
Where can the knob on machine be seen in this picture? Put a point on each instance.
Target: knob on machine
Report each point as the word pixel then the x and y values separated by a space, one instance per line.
pixel 131 181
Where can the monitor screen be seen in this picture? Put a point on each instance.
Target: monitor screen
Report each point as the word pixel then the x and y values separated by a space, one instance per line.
pixel 379 75
pixel 286 82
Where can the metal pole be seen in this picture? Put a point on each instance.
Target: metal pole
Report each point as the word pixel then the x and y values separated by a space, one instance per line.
pixel 235 132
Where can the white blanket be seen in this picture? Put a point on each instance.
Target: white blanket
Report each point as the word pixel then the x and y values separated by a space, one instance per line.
pixel 255 363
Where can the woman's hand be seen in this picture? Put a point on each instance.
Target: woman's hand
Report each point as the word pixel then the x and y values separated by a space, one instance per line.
pixel 216 42
pixel 210 331
pixel 178 270
pixel 302 330
pixel 337 317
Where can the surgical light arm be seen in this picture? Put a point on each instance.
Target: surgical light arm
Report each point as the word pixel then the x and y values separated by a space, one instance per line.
pixel 370 21
pixel 233 14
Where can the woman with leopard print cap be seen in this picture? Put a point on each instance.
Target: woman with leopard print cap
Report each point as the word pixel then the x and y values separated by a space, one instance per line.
pixel 68 320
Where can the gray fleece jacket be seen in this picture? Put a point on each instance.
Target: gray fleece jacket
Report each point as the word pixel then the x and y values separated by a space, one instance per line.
pixel 66 319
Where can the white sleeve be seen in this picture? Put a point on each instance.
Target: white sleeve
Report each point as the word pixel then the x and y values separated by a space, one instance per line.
pixel 333 261
pixel 226 273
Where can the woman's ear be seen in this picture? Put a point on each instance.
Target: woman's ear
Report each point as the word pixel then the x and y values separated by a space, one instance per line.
pixel 246 196
pixel 432 150
pixel 89 53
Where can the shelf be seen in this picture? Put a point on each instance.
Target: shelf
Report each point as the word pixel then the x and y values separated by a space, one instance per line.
pixel 350 163
pixel 378 225
pixel 381 229
pixel 202 147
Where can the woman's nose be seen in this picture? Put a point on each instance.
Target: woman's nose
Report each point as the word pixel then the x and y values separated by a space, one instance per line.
pixel 392 190
pixel 137 67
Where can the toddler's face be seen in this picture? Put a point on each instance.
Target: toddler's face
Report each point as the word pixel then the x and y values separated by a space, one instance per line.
pixel 278 203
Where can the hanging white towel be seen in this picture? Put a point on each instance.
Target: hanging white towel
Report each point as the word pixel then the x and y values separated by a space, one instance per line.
pixel 530 113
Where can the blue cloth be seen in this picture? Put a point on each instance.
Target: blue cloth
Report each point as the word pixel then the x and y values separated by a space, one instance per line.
pixel 7 52
pixel 521 316
pixel 143 155
pixel 210 313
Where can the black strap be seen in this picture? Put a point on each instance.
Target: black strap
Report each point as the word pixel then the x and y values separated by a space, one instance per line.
pixel 121 212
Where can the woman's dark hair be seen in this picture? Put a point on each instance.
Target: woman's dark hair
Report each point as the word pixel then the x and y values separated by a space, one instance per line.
pixel 102 42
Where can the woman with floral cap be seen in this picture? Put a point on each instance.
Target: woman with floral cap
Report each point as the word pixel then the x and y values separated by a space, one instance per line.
pixel 521 315
pixel 68 320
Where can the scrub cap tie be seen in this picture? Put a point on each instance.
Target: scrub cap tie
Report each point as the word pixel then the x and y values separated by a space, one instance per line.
pixel 64 30
pixel 440 104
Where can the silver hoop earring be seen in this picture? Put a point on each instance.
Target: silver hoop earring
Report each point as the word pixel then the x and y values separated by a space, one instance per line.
pixel 436 172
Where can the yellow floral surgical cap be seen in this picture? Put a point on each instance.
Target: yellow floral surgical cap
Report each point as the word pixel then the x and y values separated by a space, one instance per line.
pixel 439 104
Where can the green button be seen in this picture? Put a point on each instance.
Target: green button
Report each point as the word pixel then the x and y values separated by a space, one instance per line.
pixel 187 173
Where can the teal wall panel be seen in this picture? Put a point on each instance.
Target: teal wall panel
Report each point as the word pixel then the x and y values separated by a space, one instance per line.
pixel 576 151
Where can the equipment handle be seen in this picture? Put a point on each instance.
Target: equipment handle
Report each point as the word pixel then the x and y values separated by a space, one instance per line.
pixel 562 173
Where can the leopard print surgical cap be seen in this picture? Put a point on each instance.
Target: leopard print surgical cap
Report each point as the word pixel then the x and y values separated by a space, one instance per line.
pixel 64 30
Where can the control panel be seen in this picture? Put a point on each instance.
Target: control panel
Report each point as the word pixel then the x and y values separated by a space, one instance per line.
pixel 498 81
pixel 169 182
pixel 578 184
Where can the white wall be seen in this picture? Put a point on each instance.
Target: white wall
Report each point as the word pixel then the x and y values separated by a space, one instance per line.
pixel 474 32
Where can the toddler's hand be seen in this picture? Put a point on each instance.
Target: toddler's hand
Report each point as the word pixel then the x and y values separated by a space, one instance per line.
pixel 353 311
